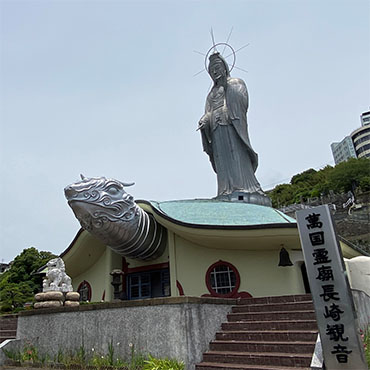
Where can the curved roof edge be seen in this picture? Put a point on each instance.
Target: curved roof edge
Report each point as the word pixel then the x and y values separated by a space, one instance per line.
pixel 80 231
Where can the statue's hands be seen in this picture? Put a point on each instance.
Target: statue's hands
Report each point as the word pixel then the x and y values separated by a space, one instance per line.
pixel 201 125
pixel 202 122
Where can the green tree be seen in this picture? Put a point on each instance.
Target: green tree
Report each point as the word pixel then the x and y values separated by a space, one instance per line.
pixel 365 183
pixel 13 296
pixel 280 195
pixel 322 182
pixel 349 174
pixel 19 284
pixel 307 177
pixel 311 183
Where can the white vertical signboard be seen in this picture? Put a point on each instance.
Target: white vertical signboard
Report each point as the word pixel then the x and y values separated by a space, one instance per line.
pixel 331 294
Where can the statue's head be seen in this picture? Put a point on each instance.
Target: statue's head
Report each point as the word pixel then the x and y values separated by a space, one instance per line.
pixel 97 201
pixel 218 67
pixel 56 263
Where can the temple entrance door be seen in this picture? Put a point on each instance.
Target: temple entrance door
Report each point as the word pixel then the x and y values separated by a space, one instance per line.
pixel 149 284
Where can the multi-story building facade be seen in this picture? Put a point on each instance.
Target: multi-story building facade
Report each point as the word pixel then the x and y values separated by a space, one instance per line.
pixel 343 150
pixel 365 118
pixel 361 137
pixel 356 145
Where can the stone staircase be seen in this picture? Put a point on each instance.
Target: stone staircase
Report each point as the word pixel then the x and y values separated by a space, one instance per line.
pixel 265 333
pixel 8 327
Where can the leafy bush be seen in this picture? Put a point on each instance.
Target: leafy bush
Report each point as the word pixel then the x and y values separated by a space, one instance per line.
pixel 366 341
pixel 163 364
pixel 365 183
pixel 30 354
pixel 18 285
pixel 349 174
pixel 304 177
pixel 342 178
pixel 81 358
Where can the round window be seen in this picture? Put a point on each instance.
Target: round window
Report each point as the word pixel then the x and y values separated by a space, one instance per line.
pixel 222 279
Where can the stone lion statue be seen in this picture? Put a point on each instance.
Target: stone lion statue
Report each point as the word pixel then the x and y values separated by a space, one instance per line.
pixel 56 278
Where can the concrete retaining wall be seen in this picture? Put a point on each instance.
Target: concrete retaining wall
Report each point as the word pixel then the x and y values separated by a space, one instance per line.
pixel 179 327
pixel 362 304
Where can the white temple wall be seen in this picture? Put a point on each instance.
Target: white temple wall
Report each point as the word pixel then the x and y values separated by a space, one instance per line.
pixel 259 271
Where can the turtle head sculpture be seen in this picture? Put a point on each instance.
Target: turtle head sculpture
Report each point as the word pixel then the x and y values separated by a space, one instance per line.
pixel 104 209
pixel 96 201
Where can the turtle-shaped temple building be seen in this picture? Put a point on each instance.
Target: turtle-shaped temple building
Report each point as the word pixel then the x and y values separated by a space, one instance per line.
pixel 200 247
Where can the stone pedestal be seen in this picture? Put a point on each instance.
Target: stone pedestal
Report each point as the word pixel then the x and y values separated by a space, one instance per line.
pixel 56 299
pixel 243 197
pixel 72 299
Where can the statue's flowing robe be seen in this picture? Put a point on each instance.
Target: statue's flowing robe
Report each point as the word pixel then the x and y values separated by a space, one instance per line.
pixel 227 143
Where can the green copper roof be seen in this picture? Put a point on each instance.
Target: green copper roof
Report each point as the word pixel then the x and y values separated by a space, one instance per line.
pixel 213 212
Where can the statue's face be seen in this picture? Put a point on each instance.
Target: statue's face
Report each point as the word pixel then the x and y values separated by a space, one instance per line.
pixel 217 70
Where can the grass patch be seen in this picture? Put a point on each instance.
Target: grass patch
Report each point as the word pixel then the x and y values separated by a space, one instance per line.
pixel 82 359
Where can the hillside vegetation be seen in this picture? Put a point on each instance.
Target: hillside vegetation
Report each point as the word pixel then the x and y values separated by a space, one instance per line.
pixel 19 284
pixel 345 176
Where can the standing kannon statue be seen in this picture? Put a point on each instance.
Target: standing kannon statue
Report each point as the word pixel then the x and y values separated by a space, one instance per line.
pixel 225 139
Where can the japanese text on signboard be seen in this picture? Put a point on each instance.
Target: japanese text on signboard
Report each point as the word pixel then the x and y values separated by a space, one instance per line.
pixel 331 299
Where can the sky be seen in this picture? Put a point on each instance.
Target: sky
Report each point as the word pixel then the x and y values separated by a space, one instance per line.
pixel 107 88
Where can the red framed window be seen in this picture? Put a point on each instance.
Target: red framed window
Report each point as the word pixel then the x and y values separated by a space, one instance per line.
pixel 222 279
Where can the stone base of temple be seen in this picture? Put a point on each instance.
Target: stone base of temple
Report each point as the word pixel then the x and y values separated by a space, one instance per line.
pixel 251 198
pixel 52 299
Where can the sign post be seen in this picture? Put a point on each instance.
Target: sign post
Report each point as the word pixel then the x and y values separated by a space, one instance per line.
pixel 331 294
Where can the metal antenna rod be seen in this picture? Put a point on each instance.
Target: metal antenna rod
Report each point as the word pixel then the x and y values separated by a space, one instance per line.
pixel 237 50
pixel 198 52
pixel 227 41
pixel 198 73
pixel 241 69
pixel 213 40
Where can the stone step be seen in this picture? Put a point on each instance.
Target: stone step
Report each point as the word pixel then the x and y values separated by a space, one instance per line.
pixel 8 324
pixel 8 327
pixel 275 299
pixel 8 333
pixel 265 333
pixel 258 358
pixel 215 366
pixel 273 315
pixel 288 306
pixel 265 346
pixel 272 335
pixel 271 325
